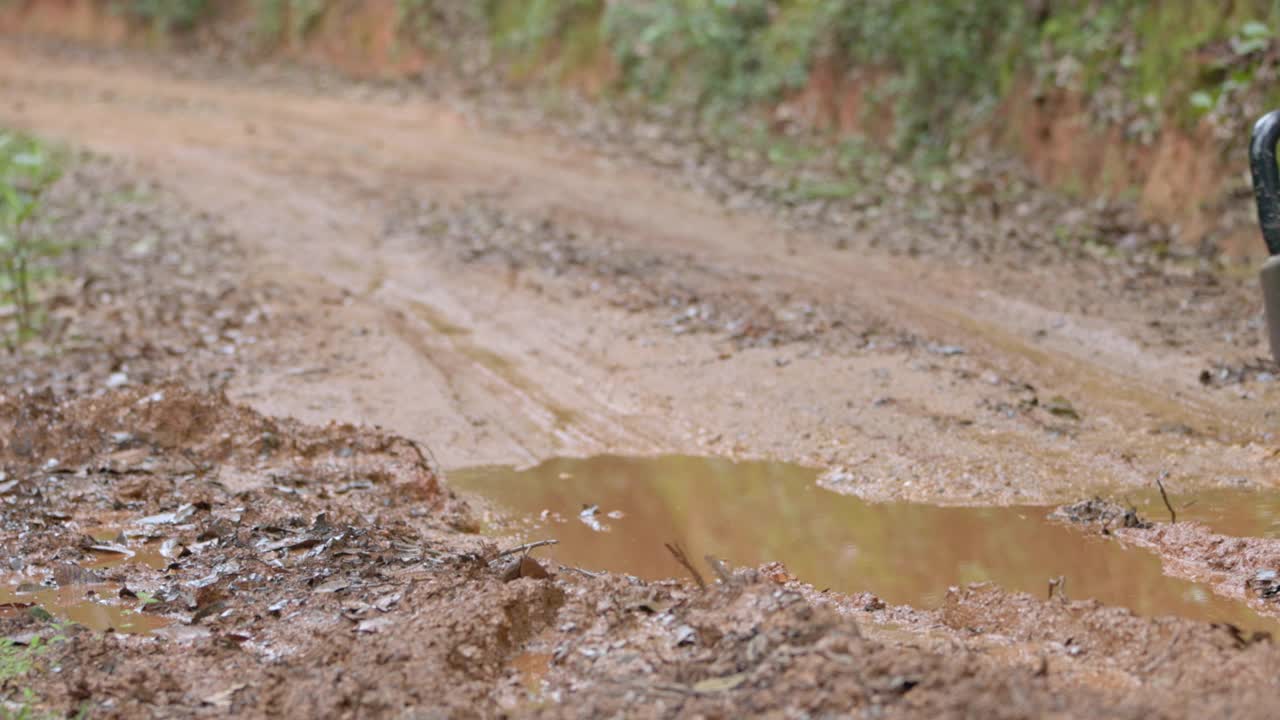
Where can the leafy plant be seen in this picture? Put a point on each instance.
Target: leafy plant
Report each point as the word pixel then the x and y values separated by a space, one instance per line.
pixel 27 171
pixel 288 19
pixel 167 16
pixel 565 33
pixel 937 69
pixel 18 660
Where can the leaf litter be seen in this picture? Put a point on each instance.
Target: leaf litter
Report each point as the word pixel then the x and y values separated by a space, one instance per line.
pixel 329 571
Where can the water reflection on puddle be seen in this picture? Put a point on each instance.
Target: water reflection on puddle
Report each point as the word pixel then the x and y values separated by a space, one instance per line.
pixel 115 551
pixel 148 555
pixel 1239 513
pixel 753 513
pixel 75 604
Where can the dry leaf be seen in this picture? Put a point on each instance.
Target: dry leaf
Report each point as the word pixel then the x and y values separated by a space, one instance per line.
pixel 720 684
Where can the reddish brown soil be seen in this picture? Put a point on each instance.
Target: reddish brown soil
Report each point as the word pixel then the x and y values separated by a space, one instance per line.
pixel 321 572
pixel 355 256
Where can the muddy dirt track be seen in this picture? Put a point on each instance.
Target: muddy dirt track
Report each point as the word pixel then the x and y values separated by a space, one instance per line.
pixel 504 292
pixel 515 359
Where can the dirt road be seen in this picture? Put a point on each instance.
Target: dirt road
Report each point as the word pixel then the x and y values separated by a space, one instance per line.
pixel 931 379
pixel 506 291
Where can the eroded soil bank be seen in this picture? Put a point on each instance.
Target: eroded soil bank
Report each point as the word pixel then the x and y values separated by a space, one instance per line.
pixel 301 303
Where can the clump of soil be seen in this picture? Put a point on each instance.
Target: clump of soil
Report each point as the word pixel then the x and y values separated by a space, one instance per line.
pixel 1259 370
pixel 166 429
pixel 1244 567
pixel 1104 513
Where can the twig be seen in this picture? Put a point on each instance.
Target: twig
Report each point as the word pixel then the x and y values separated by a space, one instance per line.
pixel 1058 584
pixel 1173 515
pixel 1159 659
pixel 524 548
pixel 720 569
pixel 432 466
pixel 678 553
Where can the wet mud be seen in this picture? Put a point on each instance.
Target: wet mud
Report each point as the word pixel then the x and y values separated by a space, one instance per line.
pixel 98 608
pixel 618 514
pixel 221 483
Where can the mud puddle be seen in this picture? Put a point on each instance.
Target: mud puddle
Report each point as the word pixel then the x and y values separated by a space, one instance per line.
pixel 149 555
pixel 82 605
pixel 112 549
pixel 97 606
pixel 1233 512
pixel 615 514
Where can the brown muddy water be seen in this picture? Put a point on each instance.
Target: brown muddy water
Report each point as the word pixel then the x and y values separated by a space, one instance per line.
pixel 96 606
pixel 752 513
pixel 1238 513
pixel 82 605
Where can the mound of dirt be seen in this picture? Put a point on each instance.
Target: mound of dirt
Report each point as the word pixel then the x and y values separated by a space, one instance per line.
pixel 1096 511
pixel 286 569
pixel 172 428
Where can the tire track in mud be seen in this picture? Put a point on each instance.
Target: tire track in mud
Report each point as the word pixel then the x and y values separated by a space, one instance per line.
pixel 441 343
pixel 465 364
pixel 306 179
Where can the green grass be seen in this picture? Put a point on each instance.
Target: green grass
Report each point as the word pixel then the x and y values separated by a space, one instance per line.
pixel 27 170
pixel 18 661
pixel 822 190
pixel 291 20
pixel 546 38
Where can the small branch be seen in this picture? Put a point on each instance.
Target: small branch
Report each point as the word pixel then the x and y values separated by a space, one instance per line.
pixel 1058 585
pixel 1156 661
pixel 1173 515
pixel 432 466
pixel 678 553
pixel 720 569
pixel 524 548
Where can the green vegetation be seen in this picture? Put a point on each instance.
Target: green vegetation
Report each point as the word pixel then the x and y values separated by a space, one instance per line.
pixel 547 39
pixel 18 660
pixel 936 68
pixel 940 66
pixel 290 20
pixel 276 20
pixel 938 59
pixel 166 16
pixel 27 171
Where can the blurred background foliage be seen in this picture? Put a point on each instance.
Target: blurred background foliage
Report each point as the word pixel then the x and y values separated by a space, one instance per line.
pixel 940 67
